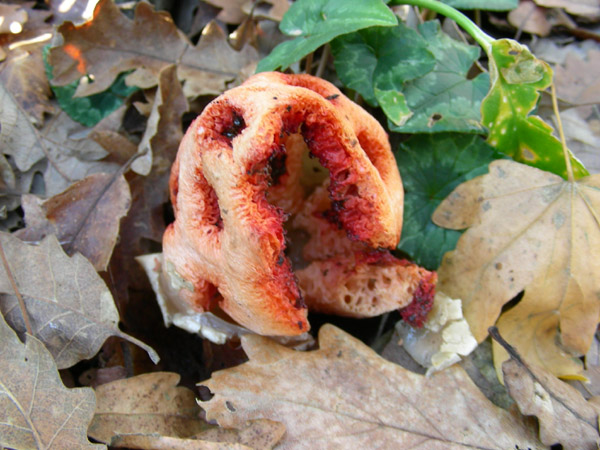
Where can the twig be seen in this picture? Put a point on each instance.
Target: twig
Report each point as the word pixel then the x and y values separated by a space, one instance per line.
pixel 16 290
pixel 308 62
pixel 323 61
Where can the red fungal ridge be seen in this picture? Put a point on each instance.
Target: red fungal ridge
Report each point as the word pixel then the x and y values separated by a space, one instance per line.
pixel 415 314
pixel 347 207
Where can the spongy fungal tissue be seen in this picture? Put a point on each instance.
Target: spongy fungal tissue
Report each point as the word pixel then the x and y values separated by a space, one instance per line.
pixel 287 198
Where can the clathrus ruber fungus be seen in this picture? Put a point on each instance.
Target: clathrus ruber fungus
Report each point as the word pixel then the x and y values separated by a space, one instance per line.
pixel 240 184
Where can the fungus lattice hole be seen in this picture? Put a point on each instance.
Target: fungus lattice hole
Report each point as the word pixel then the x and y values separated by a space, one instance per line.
pixel 234 126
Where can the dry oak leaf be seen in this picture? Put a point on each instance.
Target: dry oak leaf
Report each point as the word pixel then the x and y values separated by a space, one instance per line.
pixel 111 43
pixel 36 410
pixel 85 218
pixel 151 411
pixel 527 230
pixel 344 395
pixel 146 404
pixel 163 130
pixel 70 308
pixel 260 434
pixel 564 416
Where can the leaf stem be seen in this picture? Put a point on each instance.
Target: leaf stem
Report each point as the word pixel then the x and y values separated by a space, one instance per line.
pixel 15 288
pixel 561 133
pixel 467 24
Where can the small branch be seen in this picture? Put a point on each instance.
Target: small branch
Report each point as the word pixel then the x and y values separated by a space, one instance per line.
pixel 323 61
pixel 308 63
pixel 16 290
pixel 561 133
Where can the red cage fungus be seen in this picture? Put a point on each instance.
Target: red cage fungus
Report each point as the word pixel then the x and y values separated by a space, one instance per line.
pixel 242 180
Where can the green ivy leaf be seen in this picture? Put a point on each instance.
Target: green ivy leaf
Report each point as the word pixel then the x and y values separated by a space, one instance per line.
pixel 92 109
pixel 378 61
pixel 316 22
pixel 489 5
pixel 517 79
pixel 445 99
pixel 431 167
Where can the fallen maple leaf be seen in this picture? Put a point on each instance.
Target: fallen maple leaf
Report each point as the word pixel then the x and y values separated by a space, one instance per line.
pixel 111 43
pixel 527 230
pixel 68 305
pixel 150 411
pixel 36 410
pixel 344 395
pixel 85 218
pixel 564 415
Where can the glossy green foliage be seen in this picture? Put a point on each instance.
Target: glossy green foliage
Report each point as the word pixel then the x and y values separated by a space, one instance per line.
pixel 419 78
pixel 517 79
pixel 431 167
pixel 316 22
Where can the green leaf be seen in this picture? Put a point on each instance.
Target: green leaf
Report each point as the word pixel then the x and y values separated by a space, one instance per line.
pixel 378 61
pixel 316 22
pixel 489 5
pixel 92 109
pixel 445 99
pixel 431 167
pixel 517 79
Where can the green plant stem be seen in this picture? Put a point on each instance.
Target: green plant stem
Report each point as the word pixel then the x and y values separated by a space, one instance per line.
pixel 561 133
pixel 465 23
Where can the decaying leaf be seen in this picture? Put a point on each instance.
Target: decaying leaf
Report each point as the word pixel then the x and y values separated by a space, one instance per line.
pixel 532 230
pixel 346 396
pixel 70 308
pixel 150 411
pixel 13 18
pixel 147 404
pixel 565 417
pixel 111 43
pixel 576 79
pixel 163 130
pixel 260 434
pixel 36 410
pixel 22 74
pixel 85 218
pixel 590 8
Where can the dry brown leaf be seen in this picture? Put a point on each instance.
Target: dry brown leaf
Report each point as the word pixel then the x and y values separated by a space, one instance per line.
pixel 85 218
pixel 36 410
pixel 266 9
pixel 261 434
pixel 23 75
pixel 111 43
pixel 231 10
pixel 564 415
pixel 71 155
pixel 590 8
pixel 344 395
pixel 530 18
pixel 163 130
pixel 70 308
pixel 146 404
pixel 527 229
pixel 13 18
pixel 577 79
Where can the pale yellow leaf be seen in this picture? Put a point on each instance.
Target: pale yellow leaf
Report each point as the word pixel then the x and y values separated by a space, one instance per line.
pixel 527 230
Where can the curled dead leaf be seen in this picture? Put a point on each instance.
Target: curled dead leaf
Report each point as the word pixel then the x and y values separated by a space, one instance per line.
pixel 70 308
